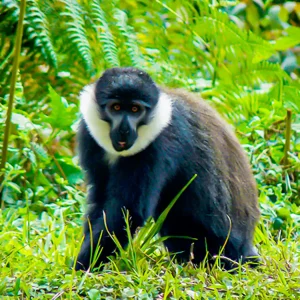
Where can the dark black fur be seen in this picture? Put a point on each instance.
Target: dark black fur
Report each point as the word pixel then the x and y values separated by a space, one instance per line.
pixel 196 142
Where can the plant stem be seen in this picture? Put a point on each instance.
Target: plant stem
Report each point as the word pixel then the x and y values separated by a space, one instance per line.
pixel 288 131
pixel 12 88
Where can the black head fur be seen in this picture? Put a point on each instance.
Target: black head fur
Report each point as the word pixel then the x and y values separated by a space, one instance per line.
pixel 128 84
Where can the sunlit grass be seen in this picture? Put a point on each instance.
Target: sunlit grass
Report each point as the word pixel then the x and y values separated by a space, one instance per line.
pixel 37 252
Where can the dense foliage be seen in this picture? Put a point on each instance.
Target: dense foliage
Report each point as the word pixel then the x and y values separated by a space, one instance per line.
pixel 242 57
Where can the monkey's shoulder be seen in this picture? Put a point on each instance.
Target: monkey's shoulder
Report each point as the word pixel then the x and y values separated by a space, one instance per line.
pixel 203 117
pixel 194 105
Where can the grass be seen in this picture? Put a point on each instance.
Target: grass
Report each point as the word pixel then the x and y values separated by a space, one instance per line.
pixel 41 224
pixel 36 251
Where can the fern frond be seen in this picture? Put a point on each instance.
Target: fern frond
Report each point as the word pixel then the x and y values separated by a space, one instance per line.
pixel 104 35
pixel 127 32
pixel 37 28
pixel 9 12
pixel 76 29
pixel 239 102
pixel 290 94
pixel 5 65
pixel 19 91
pixel 289 41
pixel 39 150
pixel 210 22
pixel 249 102
pixel 257 73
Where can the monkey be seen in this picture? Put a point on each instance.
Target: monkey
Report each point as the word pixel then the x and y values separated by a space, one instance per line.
pixel 139 144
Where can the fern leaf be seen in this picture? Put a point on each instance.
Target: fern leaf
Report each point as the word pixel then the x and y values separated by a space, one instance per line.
pixel 237 101
pixel 132 47
pixel 257 73
pixel 289 41
pixel 210 23
pixel 37 28
pixel 104 35
pixel 213 22
pixel 39 150
pixel 76 29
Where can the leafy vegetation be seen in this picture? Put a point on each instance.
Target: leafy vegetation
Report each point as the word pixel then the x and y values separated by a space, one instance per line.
pixel 251 77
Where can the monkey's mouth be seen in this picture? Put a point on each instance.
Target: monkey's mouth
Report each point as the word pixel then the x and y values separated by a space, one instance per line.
pixel 122 142
pixel 121 146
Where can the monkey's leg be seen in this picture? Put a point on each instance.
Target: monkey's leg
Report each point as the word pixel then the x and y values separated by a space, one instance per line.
pixel 186 249
pixel 97 238
pixel 250 254
pixel 192 246
pixel 239 248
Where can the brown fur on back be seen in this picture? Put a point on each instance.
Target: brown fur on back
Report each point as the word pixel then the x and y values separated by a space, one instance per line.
pixel 230 159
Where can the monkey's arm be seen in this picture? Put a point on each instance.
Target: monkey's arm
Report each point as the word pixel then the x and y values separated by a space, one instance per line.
pixel 132 185
pixel 118 199
pixel 91 158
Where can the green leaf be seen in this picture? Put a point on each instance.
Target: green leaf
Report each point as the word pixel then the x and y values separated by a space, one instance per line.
pixel 283 213
pixel 14 186
pixel 252 15
pixel 77 31
pixel 72 172
pixel 23 122
pixel 278 222
pixel 289 41
pixel 283 14
pixel 94 294
pixel 17 286
pixel 104 34
pixel 62 114
pixel 40 151
pixel 38 30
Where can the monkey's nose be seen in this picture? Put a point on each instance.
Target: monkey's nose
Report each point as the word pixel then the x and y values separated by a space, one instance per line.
pixel 124 131
pixel 122 144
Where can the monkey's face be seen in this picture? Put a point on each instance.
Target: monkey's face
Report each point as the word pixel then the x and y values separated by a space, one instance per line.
pixel 126 98
pixel 124 118
pixel 125 111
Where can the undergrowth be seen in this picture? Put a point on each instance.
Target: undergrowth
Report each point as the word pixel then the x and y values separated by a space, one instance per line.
pixel 250 77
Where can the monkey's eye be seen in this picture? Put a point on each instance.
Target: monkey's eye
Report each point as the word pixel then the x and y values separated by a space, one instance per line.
pixel 135 108
pixel 116 107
